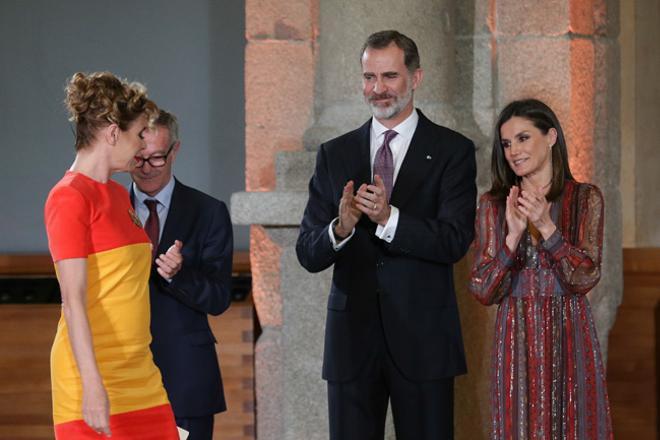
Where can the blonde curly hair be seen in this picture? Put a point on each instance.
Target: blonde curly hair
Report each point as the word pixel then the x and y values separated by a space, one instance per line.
pixel 98 99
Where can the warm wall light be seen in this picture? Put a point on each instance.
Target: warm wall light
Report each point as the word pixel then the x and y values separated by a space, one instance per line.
pixel 581 121
pixel 265 263
pixel 279 102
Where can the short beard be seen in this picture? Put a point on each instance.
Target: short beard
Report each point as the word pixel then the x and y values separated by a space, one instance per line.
pixel 393 110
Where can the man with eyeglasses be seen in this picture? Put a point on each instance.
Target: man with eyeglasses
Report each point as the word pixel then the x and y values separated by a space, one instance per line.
pixel 192 238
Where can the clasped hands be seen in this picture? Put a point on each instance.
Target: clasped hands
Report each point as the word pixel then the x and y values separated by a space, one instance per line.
pixel 523 206
pixel 370 200
pixel 169 263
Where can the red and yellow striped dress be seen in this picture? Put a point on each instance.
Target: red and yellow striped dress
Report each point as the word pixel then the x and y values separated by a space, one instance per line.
pixel 93 220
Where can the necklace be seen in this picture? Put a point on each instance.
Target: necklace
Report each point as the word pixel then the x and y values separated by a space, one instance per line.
pixel 547 185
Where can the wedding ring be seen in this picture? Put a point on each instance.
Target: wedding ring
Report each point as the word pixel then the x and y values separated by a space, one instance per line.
pixel 375 206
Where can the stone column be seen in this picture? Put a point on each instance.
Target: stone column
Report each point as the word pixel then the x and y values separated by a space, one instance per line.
pixel 290 303
pixel 279 86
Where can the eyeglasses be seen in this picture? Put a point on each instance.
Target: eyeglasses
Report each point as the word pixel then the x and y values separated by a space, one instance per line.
pixel 155 161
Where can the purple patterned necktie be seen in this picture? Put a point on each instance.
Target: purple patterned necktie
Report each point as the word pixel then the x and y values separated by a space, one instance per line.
pixel 384 163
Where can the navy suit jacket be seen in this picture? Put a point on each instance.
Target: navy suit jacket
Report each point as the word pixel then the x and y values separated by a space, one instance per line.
pixel 183 345
pixel 405 288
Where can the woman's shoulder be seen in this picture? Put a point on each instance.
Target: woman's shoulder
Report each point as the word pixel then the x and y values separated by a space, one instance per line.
pixel 584 189
pixel 489 205
pixel 117 189
pixel 75 182
pixel 489 199
pixel 80 192
pixel 70 187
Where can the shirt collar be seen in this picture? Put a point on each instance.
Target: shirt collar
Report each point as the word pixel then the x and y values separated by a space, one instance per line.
pixel 164 196
pixel 405 129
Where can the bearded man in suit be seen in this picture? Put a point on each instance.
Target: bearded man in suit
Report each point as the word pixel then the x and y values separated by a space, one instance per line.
pixel 391 206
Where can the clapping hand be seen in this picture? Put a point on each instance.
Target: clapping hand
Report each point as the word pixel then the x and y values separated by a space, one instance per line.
pixel 349 214
pixel 516 221
pixel 536 208
pixel 170 262
pixel 372 201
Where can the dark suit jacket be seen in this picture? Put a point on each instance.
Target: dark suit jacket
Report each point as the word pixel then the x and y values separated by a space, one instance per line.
pixel 406 286
pixel 183 345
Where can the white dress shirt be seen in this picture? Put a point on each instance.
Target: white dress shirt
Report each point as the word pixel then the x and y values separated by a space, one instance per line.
pixel 399 146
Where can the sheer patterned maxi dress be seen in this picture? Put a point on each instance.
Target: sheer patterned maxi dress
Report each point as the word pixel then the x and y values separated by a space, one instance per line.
pixel 548 380
pixel 93 220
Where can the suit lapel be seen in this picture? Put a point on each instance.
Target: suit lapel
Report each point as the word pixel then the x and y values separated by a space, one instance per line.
pixel 422 154
pixel 358 166
pixel 131 194
pixel 364 158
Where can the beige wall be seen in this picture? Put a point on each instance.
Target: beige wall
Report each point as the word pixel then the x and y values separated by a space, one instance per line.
pixel 640 122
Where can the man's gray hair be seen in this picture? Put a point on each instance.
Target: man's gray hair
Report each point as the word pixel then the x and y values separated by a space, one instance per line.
pixel 168 120
pixel 382 39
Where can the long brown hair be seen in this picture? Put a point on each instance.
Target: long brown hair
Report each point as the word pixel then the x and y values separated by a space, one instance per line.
pixel 544 119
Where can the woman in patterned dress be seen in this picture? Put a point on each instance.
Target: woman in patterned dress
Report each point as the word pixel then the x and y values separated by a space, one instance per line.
pixel 537 253
pixel 104 380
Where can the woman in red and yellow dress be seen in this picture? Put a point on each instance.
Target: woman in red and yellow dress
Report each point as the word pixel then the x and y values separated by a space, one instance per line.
pixel 104 381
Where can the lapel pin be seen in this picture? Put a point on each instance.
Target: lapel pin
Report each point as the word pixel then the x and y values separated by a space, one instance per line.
pixel 428 157
pixel 134 217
